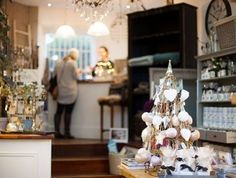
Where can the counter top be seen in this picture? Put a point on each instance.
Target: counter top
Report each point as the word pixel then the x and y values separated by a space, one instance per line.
pixel 25 136
pixel 94 81
pixel 136 173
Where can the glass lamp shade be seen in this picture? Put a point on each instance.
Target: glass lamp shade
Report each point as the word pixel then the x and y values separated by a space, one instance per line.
pixel 98 29
pixel 65 31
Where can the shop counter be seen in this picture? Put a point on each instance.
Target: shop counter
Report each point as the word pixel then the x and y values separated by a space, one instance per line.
pixel 133 173
pixel 25 155
pixel 86 115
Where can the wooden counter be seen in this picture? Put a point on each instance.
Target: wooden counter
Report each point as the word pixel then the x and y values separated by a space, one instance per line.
pixel 137 173
pixel 25 136
pixel 85 122
pixel 25 155
pixel 94 81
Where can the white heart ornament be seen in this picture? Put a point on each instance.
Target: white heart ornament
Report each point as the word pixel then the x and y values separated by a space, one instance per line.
pixel 186 134
pixel 183 116
pixel 195 135
pixel 146 134
pixel 144 116
pixel 165 121
pixel 157 120
pixel 184 95
pixel 171 132
pixel 190 120
pixel 147 117
pixel 175 121
pixel 170 94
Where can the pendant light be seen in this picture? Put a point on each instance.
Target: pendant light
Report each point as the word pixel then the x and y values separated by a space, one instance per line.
pixel 98 28
pixel 65 31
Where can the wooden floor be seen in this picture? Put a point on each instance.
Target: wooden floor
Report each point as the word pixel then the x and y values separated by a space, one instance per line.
pixel 82 158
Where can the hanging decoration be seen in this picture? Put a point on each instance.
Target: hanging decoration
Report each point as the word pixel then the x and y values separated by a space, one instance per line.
pixel 168 138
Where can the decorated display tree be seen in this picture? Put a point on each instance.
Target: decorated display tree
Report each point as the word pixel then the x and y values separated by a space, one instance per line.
pixel 168 138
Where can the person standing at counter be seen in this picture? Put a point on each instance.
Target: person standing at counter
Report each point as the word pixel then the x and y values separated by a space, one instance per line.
pixel 104 66
pixel 67 74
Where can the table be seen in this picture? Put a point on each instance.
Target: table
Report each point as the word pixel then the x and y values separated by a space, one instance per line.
pixel 137 173
pixel 140 173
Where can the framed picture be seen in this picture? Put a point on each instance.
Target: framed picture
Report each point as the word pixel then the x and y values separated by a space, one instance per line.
pixel 119 135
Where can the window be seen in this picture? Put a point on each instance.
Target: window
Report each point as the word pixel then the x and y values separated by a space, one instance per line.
pixel 57 48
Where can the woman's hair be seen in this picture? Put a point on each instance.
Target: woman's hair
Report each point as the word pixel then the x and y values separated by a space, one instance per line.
pixel 105 48
pixel 73 53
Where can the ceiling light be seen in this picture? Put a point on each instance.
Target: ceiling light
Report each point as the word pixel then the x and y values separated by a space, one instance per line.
pixel 65 31
pixel 49 4
pixel 98 28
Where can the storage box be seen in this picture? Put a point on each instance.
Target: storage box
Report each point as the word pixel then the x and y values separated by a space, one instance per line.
pixel 221 136
pixel 226 32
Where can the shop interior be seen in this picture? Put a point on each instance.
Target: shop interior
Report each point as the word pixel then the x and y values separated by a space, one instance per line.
pixel 117 88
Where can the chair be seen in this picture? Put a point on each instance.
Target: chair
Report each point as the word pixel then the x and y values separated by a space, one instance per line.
pixel 117 97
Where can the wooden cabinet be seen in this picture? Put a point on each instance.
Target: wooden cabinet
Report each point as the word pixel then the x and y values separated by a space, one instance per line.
pixel 216 116
pixel 156 31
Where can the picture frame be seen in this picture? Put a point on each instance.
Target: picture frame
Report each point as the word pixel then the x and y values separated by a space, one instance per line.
pixel 119 135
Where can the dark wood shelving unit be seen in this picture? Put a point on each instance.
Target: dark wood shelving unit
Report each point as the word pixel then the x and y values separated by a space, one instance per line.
pixel 161 30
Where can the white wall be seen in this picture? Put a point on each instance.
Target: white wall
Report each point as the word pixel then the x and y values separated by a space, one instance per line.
pixel 50 19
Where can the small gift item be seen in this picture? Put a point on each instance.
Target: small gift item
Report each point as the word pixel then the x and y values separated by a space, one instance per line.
pixel 183 116
pixel 143 155
pixel 170 94
pixel 186 134
pixel 171 133
pixel 184 95
pixel 155 160
pixel 175 121
pixel 12 127
pixel 146 134
pixel 195 135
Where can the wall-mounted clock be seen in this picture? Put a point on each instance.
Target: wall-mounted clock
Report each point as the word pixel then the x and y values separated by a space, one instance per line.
pixel 217 9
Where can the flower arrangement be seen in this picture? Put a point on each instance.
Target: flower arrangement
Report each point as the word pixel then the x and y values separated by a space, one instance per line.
pixel 168 138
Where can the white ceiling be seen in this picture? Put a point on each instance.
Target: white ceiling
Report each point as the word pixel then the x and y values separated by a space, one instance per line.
pixel 44 3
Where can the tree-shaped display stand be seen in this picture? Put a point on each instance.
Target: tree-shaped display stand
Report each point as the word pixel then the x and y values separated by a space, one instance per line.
pixel 168 138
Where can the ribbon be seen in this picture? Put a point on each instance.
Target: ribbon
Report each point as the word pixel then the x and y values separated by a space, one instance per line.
pixel 204 169
pixel 168 169
pixel 184 166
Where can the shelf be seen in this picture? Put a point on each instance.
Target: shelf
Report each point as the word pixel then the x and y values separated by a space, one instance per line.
pixel 217 78
pixel 214 102
pixel 221 53
pixel 156 35
pixel 219 136
pixel 141 93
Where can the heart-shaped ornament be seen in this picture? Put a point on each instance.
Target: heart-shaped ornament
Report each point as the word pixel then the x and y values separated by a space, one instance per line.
pixel 184 95
pixel 183 116
pixel 186 134
pixel 165 121
pixel 157 120
pixel 175 121
pixel 195 135
pixel 171 132
pixel 147 117
pixel 190 120
pixel 170 94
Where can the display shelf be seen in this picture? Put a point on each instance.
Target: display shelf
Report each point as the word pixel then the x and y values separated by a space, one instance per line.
pixel 216 107
pixel 202 101
pixel 224 52
pixel 156 35
pixel 149 34
pixel 218 78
